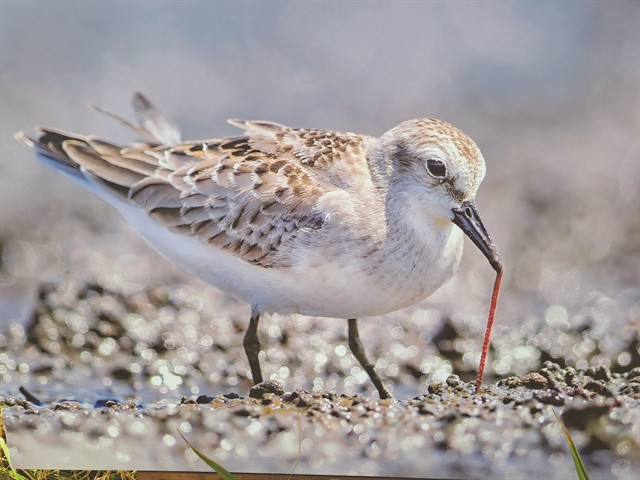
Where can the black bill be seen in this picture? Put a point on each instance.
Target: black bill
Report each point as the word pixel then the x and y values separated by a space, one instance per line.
pixel 468 219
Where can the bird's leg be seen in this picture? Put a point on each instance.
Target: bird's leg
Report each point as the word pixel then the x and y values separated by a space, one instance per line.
pixel 358 351
pixel 252 346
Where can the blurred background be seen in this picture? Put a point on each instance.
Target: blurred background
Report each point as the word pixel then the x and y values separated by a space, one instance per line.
pixel 548 90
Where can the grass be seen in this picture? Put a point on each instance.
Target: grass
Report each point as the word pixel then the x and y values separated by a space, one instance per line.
pixel 225 474
pixel 216 467
pixel 581 470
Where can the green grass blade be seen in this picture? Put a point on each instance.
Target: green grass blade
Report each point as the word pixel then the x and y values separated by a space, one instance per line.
pixel 581 470
pixel 216 467
pixel 5 461
pixel 8 468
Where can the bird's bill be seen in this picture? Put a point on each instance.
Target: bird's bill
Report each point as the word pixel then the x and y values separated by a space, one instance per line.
pixel 468 219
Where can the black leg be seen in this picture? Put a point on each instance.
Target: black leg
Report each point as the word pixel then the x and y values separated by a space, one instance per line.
pixel 358 351
pixel 252 347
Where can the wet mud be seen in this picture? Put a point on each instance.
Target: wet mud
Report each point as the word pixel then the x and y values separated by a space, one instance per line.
pixel 98 381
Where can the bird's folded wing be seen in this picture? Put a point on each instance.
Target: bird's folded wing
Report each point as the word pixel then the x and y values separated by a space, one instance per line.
pixel 251 195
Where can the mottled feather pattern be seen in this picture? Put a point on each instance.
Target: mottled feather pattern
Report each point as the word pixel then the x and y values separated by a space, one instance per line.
pixel 252 195
pixel 249 195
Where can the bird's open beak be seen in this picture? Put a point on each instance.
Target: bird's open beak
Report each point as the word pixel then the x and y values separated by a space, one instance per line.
pixel 468 219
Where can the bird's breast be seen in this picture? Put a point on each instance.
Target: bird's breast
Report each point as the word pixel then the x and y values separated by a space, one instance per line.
pixel 360 280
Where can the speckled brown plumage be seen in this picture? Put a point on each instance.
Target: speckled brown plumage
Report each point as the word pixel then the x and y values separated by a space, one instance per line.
pixel 248 195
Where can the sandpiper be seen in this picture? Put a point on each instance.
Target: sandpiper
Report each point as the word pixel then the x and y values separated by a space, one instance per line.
pixel 293 220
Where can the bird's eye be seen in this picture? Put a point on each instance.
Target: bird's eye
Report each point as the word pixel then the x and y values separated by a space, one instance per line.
pixel 436 168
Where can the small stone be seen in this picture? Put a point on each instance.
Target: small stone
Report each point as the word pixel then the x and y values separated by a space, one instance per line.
pixel 633 373
pixel 244 412
pixel 631 389
pixel 535 381
pixel 436 388
pixel 106 402
pixel 67 405
pixel 204 399
pixel 569 376
pixel 290 397
pixel 594 386
pixel 121 374
pixel 510 382
pixel 599 373
pixel 269 386
pixel 454 381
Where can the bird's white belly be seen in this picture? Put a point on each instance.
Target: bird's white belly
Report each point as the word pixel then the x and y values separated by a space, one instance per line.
pixel 328 290
pixel 321 285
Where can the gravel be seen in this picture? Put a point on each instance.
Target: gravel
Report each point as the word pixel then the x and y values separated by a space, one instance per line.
pixel 98 378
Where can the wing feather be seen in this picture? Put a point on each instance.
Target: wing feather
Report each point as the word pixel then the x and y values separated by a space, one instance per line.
pixel 253 195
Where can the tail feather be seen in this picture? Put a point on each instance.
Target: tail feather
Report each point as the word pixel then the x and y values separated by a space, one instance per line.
pixel 152 123
pixel 48 148
pixel 93 163
pixel 88 160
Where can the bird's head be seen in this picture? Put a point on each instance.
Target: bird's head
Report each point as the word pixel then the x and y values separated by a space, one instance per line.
pixel 443 168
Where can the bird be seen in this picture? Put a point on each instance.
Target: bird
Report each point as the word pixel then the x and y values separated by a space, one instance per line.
pixel 292 220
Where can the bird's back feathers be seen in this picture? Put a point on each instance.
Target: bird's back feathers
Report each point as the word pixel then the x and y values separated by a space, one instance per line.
pixel 250 195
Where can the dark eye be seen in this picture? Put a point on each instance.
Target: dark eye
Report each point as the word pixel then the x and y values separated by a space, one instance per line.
pixel 436 168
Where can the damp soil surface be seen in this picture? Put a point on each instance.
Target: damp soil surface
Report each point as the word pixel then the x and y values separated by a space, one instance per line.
pixel 101 379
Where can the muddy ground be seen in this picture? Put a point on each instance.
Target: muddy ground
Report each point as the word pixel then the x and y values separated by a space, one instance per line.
pixel 103 379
